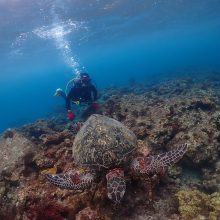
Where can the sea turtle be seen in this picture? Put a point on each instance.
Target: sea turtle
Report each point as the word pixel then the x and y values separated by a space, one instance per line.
pixel 104 145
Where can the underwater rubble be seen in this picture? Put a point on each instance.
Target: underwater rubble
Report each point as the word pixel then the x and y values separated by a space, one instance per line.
pixel 161 115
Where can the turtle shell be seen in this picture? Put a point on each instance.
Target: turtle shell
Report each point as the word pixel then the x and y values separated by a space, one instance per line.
pixel 103 142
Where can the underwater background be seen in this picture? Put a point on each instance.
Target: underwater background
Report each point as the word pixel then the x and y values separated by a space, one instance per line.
pixel 44 43
pixel 156 67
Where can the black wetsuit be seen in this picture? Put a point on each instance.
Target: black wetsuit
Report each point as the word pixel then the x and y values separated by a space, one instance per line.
pixel 81 92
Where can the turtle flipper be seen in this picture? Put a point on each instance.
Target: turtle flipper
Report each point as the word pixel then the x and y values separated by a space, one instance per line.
pixel 116 185
pixel 158 163
pixel 74 181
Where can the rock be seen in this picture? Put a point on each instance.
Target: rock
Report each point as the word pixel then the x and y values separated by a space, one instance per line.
pixel 88 213
pixel 204 104
pixel 13 149
pixel 35 130
pixel 8 133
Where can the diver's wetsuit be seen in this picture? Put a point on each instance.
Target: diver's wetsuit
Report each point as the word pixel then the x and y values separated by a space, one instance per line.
pixel 86 93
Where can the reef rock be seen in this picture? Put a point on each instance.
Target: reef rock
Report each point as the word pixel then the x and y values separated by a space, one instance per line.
pixel 161 115
pixel 13 148
pixel 194 204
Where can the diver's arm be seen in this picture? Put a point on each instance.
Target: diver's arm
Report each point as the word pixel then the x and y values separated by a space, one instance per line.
pixel 68 105
pixel 69 97
pixel 63 95
pixel 94 105
pixel 94 92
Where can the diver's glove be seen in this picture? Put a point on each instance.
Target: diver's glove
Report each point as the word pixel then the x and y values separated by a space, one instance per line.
pixel 96 106
pixel 70 115
pixel 58 92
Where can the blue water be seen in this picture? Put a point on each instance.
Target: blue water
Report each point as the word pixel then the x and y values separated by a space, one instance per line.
pixel 44 43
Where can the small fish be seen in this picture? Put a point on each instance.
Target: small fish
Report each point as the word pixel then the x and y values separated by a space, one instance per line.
pixel 51 171
pixel 76 102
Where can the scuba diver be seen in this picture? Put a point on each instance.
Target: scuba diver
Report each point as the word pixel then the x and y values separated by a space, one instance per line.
pixel 82 92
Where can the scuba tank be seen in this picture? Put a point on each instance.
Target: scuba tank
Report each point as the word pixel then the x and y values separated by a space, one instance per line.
pixel 74 81
pixel 71 83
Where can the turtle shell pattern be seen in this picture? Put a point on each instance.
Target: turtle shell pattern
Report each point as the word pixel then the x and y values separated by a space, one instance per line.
pixel 103 142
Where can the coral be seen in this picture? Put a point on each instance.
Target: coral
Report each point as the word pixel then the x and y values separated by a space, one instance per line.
pixel 49 211
pixel 214 205
pixel 174 171
pixel 20 146
pixel 164 207
pixel 35 130
pixel 194 204
pixel 162 115
pixel 143 148
pixel 211 177
pixel 170 112
pixel 8 133
pixel 191 203
pixel 56 138
pixel 90 214
pixel 205 104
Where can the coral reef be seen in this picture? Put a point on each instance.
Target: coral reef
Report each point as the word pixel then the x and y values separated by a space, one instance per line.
pixel 162 115
pixel 194 204
pixel 88 213
pixel 48 211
